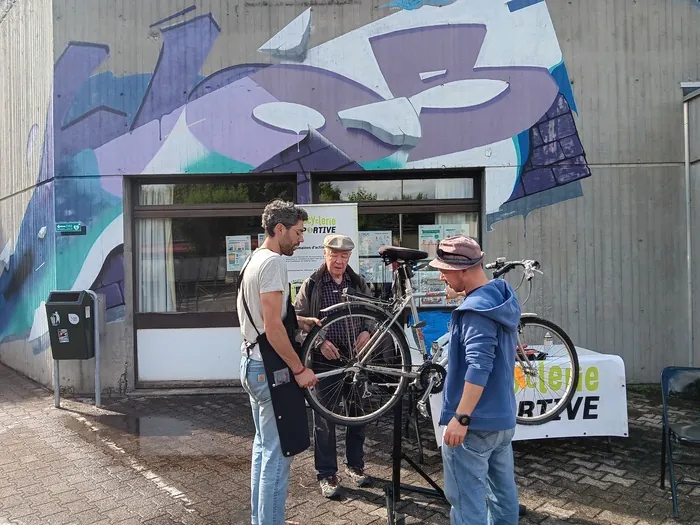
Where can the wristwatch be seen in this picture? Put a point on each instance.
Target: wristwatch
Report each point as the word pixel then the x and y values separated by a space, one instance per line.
pixel 463 419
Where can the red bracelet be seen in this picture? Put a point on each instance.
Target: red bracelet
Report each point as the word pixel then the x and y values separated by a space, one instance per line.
pixel 303 369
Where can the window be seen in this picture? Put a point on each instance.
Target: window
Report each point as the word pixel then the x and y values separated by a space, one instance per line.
pixel 183 263
pixel 190 240
pixel 396 189
pixel 413 211
pixel 215 193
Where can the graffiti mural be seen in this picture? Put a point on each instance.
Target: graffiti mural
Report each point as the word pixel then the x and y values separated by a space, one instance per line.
pixel 433 84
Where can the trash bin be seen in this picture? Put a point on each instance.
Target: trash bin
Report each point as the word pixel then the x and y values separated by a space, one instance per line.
pixel 71 320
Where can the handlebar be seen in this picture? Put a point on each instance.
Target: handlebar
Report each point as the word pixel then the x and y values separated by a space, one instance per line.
pixel 502 267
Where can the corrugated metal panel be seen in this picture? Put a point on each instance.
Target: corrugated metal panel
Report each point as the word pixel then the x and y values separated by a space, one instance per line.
pixel 694 139
pixel 26 199
pixel 614 263
pixel 694 128
pixel 245 25
pixel 626 60
pixel 25 86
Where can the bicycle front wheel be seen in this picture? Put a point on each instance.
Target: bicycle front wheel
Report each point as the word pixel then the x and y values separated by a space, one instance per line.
pixel 366 380
pixel 547 373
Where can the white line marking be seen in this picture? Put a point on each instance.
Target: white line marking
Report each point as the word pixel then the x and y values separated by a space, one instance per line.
pixel 137 467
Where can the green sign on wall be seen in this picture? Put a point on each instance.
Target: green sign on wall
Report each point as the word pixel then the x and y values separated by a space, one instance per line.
pixel 75 228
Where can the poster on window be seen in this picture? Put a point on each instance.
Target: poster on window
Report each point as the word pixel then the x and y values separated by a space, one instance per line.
pixel 374 270
pixel 324 219
pixel 450 230
pixel 237 250
pixel 371 241
pixel 429 236
pixel 429 282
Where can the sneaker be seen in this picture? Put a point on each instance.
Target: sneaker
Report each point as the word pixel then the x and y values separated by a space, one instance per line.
pixel 357 475
pixel 329 487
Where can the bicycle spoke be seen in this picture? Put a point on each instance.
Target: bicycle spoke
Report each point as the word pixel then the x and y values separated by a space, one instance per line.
pixel 359 390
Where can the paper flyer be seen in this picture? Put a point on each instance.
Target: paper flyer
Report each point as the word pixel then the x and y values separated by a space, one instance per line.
pixel 237 250
pixel 374 271
pixel 429 237
pixel 371 241
pixel 450 230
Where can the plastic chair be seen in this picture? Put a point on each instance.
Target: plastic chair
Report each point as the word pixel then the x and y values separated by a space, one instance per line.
pixel 680 390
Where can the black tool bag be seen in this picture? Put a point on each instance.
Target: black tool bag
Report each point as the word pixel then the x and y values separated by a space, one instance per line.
pixel 287 396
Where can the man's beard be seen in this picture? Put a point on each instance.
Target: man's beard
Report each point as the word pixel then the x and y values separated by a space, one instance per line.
pixel 287 250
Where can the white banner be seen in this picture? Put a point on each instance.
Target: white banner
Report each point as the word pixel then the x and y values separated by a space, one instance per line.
pixel 599 407
pixel 324 219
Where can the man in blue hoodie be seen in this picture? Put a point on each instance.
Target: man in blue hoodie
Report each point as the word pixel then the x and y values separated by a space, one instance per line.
pixel 478 398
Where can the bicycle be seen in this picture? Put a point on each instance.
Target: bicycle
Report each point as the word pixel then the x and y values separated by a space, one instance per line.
pixel 353 381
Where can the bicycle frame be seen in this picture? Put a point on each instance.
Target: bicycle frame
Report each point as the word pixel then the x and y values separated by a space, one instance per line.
pixel 400 303
pixel 403 300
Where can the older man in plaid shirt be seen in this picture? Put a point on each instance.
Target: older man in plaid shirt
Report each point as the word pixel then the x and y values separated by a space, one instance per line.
pixel 321 290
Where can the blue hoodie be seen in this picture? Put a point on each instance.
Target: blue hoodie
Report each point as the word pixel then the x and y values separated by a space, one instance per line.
pixel 483 338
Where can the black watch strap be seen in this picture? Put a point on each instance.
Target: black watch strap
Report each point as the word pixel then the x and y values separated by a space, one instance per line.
pixel 463 419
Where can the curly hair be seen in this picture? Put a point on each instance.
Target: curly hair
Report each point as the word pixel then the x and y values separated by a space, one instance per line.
pixel 281 212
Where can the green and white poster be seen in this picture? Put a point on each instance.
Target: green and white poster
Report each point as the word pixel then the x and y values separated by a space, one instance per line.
pixel 429 236
pixel 324 219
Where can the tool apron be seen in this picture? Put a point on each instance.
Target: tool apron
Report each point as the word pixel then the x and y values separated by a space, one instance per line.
pixel 288 402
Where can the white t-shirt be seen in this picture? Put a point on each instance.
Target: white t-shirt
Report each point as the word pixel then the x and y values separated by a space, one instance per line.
pixel 266 272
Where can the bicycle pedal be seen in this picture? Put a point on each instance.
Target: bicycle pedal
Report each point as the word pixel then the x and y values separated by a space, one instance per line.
pixel 423 410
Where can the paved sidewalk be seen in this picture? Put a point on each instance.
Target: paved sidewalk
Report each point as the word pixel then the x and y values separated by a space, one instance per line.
pixel 186 460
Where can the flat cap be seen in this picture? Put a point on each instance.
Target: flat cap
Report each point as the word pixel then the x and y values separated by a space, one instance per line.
pixel 339 242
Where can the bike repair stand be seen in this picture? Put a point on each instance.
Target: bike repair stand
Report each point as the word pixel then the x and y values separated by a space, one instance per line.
pixel 394 488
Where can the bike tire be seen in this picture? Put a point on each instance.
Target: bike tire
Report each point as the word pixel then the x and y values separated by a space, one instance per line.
pixel 307 355
pixel 575 370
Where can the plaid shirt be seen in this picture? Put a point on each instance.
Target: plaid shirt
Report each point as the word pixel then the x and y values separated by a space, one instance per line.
pixel 331 295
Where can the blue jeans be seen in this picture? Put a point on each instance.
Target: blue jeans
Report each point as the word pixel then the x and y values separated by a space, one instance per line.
pixel 480 479
pixel 269 471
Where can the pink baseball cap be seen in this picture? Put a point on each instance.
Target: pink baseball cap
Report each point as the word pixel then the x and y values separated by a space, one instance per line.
pixel 457 253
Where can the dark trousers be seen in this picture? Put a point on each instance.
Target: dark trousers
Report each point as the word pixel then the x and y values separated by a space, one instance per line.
pixel 325 453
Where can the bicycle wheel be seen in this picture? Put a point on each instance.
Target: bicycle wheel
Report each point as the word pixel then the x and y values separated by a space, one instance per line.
pixel 363 384
pixel 547 381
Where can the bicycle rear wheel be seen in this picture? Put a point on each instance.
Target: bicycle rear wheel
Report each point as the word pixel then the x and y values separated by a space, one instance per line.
pixel 350 392
pixel 545 386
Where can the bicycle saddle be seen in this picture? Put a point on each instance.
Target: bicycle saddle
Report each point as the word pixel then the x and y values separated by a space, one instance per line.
pixel 397 253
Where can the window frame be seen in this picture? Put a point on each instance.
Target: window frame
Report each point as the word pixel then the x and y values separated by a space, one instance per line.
pixel 172 320
pixel 384 207
pixel 461 205
pixel 380 207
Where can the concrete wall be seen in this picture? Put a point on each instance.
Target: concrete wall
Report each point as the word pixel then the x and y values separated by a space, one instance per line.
pixel 26 189
pixel 573 110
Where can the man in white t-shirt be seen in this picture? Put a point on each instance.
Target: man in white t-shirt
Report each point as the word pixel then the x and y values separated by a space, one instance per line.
pixel 265 287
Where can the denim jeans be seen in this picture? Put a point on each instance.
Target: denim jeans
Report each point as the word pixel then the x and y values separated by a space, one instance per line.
pixel 269 471
pixel 480 479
